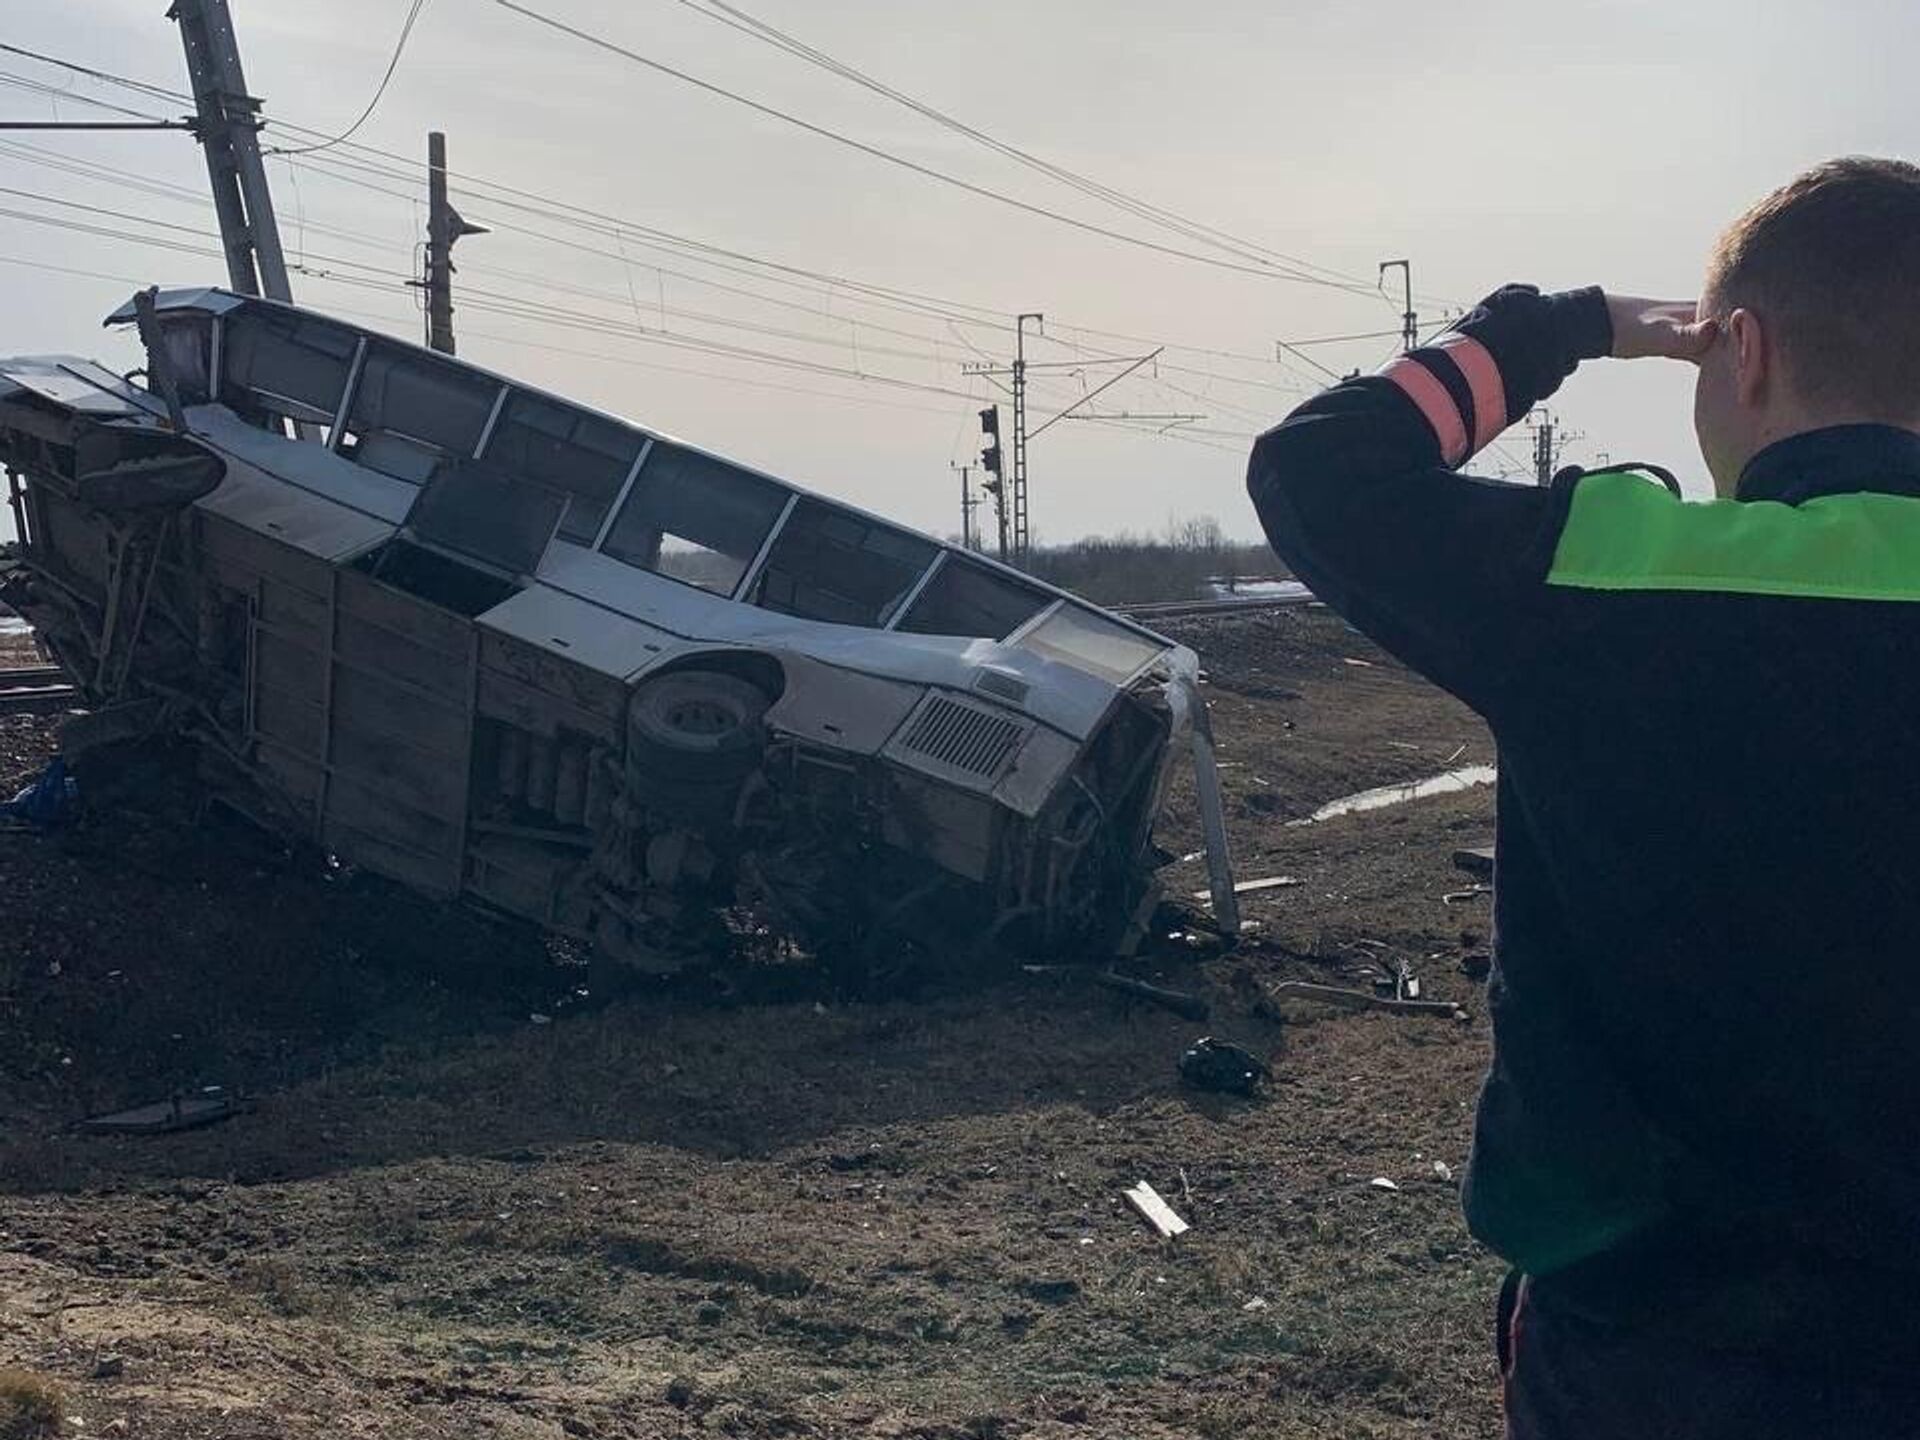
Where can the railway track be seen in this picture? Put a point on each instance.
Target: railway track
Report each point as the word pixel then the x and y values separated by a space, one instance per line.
pixel 36 690
pixel 1187 609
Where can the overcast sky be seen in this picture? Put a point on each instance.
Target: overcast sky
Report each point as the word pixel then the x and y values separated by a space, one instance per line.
pixel 1485 140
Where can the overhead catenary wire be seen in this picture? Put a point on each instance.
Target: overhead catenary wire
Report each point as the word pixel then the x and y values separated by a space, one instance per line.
pixel 1269 270
pixel 837 288
pixel 523 343
pixel 671 339
pixel 912 303
pixel 574 320
pixel 738 19
pixel 519 342
pixel 385 164
pixel 189 196
pixel 56 94
pixel 182 229
pixel 399 49
pixel 393 278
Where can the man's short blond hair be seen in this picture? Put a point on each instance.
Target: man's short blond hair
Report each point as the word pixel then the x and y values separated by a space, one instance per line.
pixel 1830 262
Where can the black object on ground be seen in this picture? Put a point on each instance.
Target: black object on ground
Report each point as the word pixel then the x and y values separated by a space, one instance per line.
pixel 1475 860
pixel 1210 1064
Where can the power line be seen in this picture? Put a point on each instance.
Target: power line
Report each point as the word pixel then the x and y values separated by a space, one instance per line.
pixel 55 93
pixel 35 155
pixel 909 302
pixel 83 228
pixel 864 401
pixel 402 169
pixel 650 237
pixel 88 170
pixel 68 270
pixel 612 47
pixel 182 229
pixel 737 19
pixel 509 308
pixel 719 351
pixel 839 287
pixel 1294 350
pixel 393 64
pixel 179 193
pixel 157 91
pixel 1341 339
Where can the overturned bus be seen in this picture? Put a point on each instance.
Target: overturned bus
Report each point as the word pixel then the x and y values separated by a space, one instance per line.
pixel 500 647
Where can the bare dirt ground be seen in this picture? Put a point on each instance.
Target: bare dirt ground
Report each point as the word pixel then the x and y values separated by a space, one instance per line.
pixel 774 1212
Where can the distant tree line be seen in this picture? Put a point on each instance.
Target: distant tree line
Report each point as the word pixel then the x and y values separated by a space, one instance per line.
pixel 1178 564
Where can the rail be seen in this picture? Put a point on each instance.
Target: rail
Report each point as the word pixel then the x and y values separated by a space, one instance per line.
pixel 1186 609
pixel 35 690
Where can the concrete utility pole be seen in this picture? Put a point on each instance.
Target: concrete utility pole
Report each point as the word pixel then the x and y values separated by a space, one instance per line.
pixel 1409 322
pixel 1022 530
pixel 969 502
pixel 227 125
pixel 444 226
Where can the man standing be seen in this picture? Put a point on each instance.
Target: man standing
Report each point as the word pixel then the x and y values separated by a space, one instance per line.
pixel 1699 1140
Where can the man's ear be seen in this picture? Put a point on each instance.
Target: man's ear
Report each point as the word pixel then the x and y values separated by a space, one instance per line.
pixel 1753 360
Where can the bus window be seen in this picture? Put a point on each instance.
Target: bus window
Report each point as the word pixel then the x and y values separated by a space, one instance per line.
pixel 695 519
pixel 838 566
pixel 969 599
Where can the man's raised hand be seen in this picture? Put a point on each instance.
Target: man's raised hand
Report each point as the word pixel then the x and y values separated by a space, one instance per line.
pixel 1659 329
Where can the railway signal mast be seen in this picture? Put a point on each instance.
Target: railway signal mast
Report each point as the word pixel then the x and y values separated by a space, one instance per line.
pixel 992 461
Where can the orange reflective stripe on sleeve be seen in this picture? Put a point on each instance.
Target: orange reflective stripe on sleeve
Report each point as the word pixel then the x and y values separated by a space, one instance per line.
pixel 1421 386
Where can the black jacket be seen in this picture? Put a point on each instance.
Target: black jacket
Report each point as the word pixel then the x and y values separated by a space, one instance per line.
pixel 1702 1107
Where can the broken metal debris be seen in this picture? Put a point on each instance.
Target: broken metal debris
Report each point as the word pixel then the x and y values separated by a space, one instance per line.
pixel 1210 1064
pixel 1381 1182
pixel 177 1112
pixel 501 648
pixel 1155 1211
pixel 1360 999
pixel 1401 982
pixel 1178 1001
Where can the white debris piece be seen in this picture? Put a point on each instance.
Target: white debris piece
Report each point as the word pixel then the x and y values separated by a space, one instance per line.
pixel 1249 887
pixel 1157 1213
pixel 1381 1182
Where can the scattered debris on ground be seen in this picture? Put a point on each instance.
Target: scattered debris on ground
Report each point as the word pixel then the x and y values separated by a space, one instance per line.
pixel 770 1207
